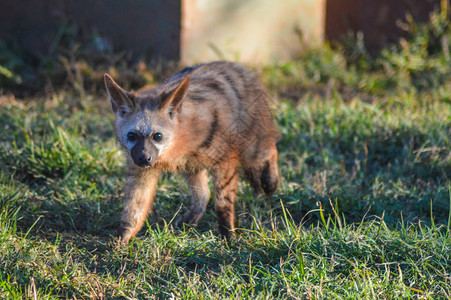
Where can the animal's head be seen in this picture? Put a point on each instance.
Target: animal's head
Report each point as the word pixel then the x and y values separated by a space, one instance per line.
pixel 145 123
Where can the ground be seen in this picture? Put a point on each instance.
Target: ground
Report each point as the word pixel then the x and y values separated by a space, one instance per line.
pixel 363 209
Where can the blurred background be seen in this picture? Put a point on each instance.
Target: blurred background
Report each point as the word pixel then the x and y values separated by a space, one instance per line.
pixel 43 39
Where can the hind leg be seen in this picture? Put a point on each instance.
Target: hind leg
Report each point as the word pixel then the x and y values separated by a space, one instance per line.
pixel 262 171
pixel 269 176
pixel 200 194
pixel 226 182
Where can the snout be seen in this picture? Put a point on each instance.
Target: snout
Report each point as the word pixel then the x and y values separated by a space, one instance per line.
pixel 143 160
pixel 144 153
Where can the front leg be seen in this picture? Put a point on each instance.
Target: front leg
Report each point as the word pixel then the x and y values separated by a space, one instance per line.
pixel 139 197
pixel 226 182
pixel 200 194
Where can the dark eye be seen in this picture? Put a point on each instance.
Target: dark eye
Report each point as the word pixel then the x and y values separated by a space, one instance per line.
pixel 157 137
pixel 131 136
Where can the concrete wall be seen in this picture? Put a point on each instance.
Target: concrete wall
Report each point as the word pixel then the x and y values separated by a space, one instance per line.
pixel 249 31
pixel 245 30
pixel 202 30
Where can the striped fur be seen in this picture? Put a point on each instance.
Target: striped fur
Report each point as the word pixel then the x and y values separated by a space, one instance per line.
pixel 213 118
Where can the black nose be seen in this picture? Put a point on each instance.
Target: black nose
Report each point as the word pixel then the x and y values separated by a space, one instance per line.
pixel 143 160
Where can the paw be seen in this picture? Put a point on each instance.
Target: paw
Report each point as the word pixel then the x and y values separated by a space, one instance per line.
pixel 190 218
pixel 227 234
pixel 124 235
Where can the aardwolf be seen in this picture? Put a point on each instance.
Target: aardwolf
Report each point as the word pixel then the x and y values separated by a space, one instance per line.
pixel 208 118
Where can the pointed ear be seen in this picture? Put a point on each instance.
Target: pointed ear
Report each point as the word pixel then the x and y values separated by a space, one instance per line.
pixel 174 101
pixel 122 101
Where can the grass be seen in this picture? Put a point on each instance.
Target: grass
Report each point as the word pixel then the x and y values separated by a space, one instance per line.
pixel 363 210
